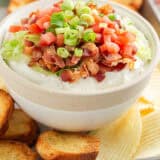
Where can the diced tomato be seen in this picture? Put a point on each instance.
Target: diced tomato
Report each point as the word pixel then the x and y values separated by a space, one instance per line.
pixel 127 37
pixel 60 40
pixel 15 28
pixel 98 38
pixel 128 51
pixel 47 39
pixel 40 22
pixel 110 47
pixel 97 29
pixel 48 12
pixel 34 28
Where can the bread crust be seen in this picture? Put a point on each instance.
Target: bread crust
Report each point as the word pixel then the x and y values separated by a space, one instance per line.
pixel 47 151
pixel 13 150
pixel 14 4
pixel 28 134
pixel 6 110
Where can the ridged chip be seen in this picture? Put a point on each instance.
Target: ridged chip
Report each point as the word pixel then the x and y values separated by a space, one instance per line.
pixel 121 139
pixel 150 141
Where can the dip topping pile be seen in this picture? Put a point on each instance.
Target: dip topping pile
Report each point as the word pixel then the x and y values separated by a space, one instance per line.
pixel 73 41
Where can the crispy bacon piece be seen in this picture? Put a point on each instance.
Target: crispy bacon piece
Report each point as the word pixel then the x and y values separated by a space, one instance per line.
pixel 100 76
pixel 50 57
pixel 106 9
pixel 72 61
pixel 92 67
pixel 111 59
pixel 90 50
pixel 36 55
pixel 67 76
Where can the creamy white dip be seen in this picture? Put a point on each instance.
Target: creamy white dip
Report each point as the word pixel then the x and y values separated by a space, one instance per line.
pixel 113 79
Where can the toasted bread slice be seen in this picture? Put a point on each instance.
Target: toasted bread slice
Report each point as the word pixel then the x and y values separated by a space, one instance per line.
pixel 6 109
pixel 21 128
pixel 53 145
pixel 11 150
pixel 14 4
pixel 133 4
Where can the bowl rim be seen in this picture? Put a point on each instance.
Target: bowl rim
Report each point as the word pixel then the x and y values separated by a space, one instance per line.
pixel 100 92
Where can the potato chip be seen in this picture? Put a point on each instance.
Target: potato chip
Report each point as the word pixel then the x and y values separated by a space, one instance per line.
pixel 146 106
pixel 150 141
pixel 120 140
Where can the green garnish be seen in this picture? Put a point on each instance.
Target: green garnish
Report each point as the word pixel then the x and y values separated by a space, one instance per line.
pixel 63 52
pixel 112 17
pixel 71 37
pixel 74 22
pixel 84 10
pixel 57 19
pixel 78 52
pixel 68 15
pixel 87 20
pixel 67 5
pixel 89 36
pixel 33 38
pixel 13 49
pixel 51 29
pixel 61 30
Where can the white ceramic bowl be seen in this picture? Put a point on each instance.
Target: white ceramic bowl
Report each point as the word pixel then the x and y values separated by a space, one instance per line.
pixel 75 112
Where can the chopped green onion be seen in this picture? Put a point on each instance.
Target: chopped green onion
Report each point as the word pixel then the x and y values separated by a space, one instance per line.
pixel 74 21
pixel 51 29
pixel 67 5
pixel 84 10
pixel 33 38
pixel 63 52
pixel 71 37
pixel 78 52
pixel 87 19
pixel 112 17
pixel 68 15
pixel 61 30
pixel 58 19
pixel 89 36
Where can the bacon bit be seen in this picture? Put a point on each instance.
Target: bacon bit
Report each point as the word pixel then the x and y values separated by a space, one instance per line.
pixel 67 76
pixel 100 77
pixel 76 75
pixel 90 49
pixel 70 48
pixel 50 57
pixel 92 67
pixel 36 55
pixel 111 59
pixel 106 9
pixel 28 50
pixel 28 43
pixel 84 71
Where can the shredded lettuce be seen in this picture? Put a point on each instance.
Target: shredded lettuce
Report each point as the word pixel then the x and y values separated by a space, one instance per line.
pixel 13 49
